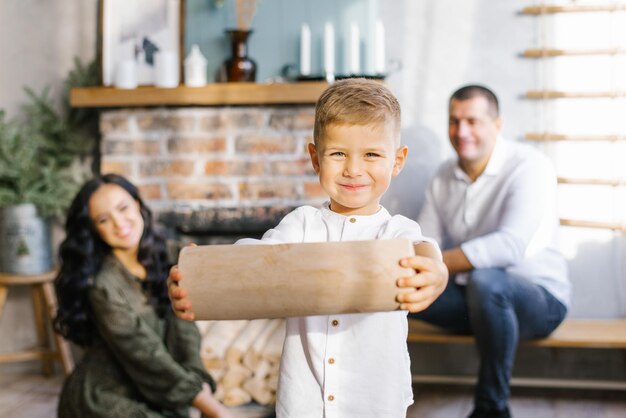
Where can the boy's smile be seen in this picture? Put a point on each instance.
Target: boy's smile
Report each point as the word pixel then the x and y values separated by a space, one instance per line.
pixel 355 164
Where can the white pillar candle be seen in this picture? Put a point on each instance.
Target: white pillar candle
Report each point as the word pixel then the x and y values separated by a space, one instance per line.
pixel 166 69
pixel 379 48
pixel 354 50
pixel 305 50
pixel 329 49
pixel 126 75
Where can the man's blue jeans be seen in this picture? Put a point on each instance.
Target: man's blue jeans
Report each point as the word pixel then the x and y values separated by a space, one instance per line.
pixel 499 309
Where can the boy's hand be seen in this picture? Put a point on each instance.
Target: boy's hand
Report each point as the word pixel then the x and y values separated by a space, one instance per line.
pixel 178 295
pixel 429 282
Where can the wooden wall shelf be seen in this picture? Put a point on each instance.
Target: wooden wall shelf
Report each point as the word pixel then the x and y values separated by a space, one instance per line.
pixel 573 8
pixel 593 224
pixel 592 182
pixel 550 137
pixel 550 52
pixel 553 94
pixel 210 95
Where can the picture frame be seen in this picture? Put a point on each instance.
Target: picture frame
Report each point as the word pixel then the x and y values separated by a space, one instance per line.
pixel 134 31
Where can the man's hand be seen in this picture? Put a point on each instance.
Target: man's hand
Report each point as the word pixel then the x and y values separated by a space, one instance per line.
pixel 178 295
pixel 429 282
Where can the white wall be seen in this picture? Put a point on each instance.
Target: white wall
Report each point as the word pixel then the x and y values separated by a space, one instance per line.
pixel 444 44
pixel 38 42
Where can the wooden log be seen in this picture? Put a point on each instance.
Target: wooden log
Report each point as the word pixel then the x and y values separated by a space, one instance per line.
pixel 236 397
pixel 260 281
pixel 272 382
pixel 235 376
pixel 236 351
pixel 253 355
pixel 262 370
pixel 275 368
pixel 216 371
pixel 216 342
pixel 273 376
pixel 203 326
pixel 274 347
pixel 259 391
pixel 257 386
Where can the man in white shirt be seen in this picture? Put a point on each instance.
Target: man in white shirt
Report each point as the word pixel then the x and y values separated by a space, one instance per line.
pixel 493 212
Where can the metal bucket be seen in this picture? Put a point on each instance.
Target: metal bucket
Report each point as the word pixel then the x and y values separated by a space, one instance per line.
pixel 25 246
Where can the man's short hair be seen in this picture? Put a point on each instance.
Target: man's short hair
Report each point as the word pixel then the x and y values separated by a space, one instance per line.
pixel 356 101
pixel 475 90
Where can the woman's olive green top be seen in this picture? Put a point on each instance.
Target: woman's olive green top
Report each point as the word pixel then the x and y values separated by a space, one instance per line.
pixel 139 365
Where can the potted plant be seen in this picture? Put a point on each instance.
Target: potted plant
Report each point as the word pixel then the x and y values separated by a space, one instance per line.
pixel 40 173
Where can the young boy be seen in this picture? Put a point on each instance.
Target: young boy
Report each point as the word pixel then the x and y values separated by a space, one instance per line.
pixel 350 365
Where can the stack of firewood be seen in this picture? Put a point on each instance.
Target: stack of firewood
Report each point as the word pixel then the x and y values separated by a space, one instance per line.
pixel 243 358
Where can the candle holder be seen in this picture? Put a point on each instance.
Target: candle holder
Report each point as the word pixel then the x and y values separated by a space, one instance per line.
pixel 239 67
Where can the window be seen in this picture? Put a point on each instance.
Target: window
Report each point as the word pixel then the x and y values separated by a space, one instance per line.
pixel 581 124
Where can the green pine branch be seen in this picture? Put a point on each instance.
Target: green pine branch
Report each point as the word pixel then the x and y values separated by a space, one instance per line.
pixel 37 152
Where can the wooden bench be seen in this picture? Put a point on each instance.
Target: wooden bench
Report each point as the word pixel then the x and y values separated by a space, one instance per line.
pixel 572 333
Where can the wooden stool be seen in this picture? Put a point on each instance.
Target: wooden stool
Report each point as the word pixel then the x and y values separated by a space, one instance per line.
pixel 45 306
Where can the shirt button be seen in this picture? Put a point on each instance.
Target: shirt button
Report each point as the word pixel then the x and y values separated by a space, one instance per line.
pixel 352 220
pixel 331 361
pixel 335 322
pixel 331 398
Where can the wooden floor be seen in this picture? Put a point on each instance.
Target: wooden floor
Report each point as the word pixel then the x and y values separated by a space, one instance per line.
pixel 34 396
pixel 438 401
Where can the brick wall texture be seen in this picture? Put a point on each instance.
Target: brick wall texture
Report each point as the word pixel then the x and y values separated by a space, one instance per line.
pixel 213 157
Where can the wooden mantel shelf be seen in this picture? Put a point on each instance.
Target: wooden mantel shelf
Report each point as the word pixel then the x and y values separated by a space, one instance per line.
pixel 209 95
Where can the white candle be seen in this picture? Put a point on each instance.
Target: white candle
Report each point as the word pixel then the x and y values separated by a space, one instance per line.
pixel 305 50
pixel 329 49
pixel 354 49
pixel 379 48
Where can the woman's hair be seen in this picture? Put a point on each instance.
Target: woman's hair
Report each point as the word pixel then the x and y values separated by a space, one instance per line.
pixel 83 252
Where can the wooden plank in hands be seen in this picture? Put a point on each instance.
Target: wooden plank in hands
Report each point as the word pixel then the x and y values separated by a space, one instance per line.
pixel 290 280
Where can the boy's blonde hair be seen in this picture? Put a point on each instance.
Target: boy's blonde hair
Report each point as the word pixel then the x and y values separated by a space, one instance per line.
pixel 356 101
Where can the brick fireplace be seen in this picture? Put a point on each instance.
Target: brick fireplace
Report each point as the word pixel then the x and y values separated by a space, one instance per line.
pixel 214 171
pixel 212 174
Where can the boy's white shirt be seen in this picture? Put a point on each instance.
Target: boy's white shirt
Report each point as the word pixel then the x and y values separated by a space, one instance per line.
pixel 350 365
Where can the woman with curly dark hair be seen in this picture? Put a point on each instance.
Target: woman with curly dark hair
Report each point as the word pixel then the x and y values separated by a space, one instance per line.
pixel 139 360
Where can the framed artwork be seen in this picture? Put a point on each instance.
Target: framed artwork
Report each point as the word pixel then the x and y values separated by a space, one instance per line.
pixel 134 31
